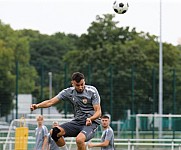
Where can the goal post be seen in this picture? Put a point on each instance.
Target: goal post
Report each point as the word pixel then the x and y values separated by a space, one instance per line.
pixel 147 125
pixel 28 129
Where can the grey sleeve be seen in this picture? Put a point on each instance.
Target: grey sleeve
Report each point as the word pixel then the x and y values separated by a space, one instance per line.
pixel 49 138
pixel 45 131
pixel 63 95
pixel 95 98
pixel 109 135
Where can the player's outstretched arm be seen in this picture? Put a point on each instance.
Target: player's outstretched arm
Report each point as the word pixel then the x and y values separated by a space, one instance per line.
pixel 97 114
pixel 102 144
pixel 45 104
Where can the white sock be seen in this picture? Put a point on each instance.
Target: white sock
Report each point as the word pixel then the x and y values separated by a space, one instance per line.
pixel 64 147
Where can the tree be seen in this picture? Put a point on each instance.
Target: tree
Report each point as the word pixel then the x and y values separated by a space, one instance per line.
pixel 14 48
pixel 7 79
pixel 124 50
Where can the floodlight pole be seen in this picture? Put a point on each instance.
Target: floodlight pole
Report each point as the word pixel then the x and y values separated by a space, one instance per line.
pixel 160 73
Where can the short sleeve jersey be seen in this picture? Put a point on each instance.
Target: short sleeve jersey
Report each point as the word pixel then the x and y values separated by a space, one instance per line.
pixel 108 134
pixel 52 144
pixel 40 133
pixel 82 102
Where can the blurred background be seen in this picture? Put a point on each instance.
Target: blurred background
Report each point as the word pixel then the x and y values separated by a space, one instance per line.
pixel 121 61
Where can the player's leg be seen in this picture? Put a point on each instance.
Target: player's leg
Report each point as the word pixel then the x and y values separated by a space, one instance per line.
pixel 61 143
pixel 80 140
pixel 85 135
pixel 57 135
pixel 68 129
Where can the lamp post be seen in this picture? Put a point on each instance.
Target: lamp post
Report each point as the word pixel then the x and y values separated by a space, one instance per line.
pixel 160 73
pixel 50 88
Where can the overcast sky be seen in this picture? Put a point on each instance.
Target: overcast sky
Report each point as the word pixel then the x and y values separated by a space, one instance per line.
pixel 75 16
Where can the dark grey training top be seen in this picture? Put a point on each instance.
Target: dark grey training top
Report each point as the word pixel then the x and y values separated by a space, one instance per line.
pixel 82 102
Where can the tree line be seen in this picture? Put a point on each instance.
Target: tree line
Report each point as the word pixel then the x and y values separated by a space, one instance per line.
pixel 108 54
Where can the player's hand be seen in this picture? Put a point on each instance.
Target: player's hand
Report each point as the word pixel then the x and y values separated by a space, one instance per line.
pixel 90 145
pixel 33 107
pixel 88 122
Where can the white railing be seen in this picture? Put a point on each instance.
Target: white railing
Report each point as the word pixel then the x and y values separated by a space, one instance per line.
pixel 131 144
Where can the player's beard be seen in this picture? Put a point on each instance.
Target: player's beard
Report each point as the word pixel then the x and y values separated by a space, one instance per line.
pixel 80 90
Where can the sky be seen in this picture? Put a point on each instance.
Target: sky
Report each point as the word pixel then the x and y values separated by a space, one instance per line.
pixel 76 16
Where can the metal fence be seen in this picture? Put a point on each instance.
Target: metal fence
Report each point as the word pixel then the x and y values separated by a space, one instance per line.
pixel 120 88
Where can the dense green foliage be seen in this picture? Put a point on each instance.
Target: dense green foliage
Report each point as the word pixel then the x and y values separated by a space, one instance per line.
pixel 112 58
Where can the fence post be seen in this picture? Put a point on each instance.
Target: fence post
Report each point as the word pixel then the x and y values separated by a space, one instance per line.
pixel 65 85
pixel 89 74
pixel 172 145
pixel 111 90
pixel 137 128
pixel 154 98
pixel 42 85
pixel 129 144
pixel 174 102
pixel 132 99
pixel 17 76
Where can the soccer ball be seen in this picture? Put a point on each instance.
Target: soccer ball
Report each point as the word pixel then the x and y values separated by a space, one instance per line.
pixel 120 6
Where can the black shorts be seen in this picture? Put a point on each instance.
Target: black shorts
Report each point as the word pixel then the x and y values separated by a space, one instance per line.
pixel 74 127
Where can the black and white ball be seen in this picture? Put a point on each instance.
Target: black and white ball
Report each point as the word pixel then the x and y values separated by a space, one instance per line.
pixel 120 6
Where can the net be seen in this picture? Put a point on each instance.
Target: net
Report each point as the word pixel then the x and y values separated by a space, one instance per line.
pixel 158 126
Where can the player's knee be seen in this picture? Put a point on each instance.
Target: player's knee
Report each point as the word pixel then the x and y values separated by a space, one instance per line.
pixel 54 133
pixel 80 139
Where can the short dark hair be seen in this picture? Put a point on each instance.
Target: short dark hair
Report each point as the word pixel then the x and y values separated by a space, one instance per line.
pixel 105 117
pixel 77 76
